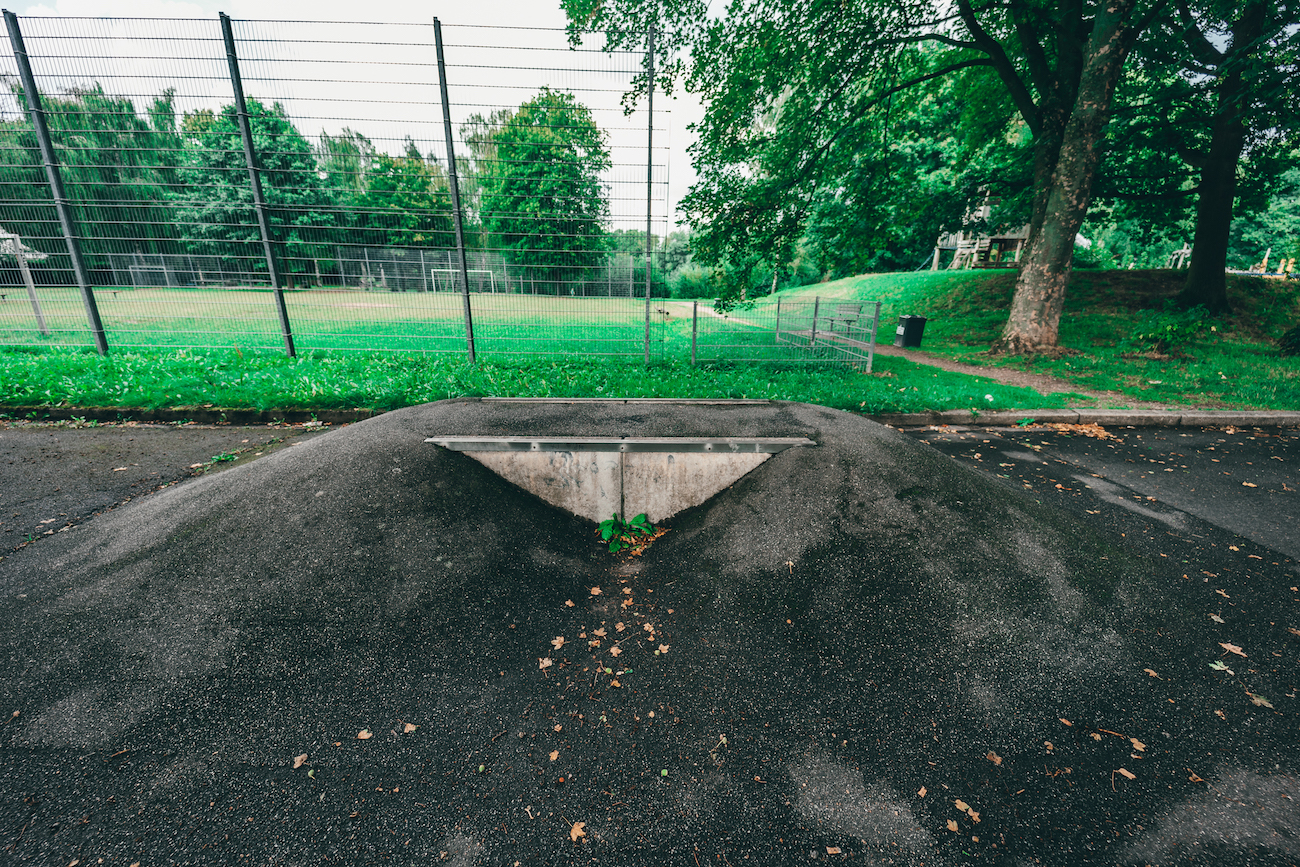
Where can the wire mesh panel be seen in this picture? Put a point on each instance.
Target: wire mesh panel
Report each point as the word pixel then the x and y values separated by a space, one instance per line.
pixel 512 324
pixel 817 331
pixel 347 139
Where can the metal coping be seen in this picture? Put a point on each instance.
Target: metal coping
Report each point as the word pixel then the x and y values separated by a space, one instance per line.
pixel 720 445
pixel 661 401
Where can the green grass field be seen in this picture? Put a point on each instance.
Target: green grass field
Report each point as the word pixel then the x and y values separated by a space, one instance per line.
pixel 564 347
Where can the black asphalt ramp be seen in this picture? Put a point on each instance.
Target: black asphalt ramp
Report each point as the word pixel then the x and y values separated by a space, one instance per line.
pixel 370 650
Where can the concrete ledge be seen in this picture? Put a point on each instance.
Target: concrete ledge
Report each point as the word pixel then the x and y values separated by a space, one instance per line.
pixel 197 415
pixel 1239 418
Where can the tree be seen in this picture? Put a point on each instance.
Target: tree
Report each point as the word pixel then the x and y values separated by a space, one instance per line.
pixel 1057 63
pixel 215 203
pixel 117 169
pixel 406 203
pixel 1253 97
pixel 543 203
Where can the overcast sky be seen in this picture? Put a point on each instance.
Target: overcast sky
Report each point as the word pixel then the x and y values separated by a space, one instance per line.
pixel 684 109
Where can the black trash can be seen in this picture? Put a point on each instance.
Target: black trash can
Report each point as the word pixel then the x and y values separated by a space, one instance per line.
pixel 909 331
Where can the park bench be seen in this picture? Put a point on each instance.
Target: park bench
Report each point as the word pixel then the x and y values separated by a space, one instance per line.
pixel 846 313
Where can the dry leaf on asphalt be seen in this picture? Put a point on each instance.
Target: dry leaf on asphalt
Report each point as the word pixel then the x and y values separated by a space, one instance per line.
pixel 832 850
pixel 557 642
pixel 555 754
pixel 1259 700
pixel 663 648
pixel 568 603
pixel 1150 672
pixel 298 761
pixel 1216 618
pixel 365 735
pixel 952 826
pixel 615 650
pixel 961 805
pixel 576 831
pixel 600 632
pixel 1066 721
pixel 1231 648
pixel 408 728
pixel 595 591
pixel 545 662
pixel 1249 485
pixel 974 817
pixel 1137 744
pixel 1127 774
pixel 994 758
pixel 1293 630
pixel 620 626
pixel 921 792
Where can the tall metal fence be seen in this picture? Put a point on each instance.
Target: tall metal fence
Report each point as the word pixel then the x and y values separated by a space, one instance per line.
pixel 330 185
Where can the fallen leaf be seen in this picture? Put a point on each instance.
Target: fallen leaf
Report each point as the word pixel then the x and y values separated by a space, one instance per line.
pixel 1221 715
pixel 557 642
pixel 1250 484
pixel 663 648
pixel 1216 618
pixel 365 735
pixel 627 603
pixel 1150 672
pixel 1219 665
pixel 1127 774
pixel 568 603
pixel 595 591
pixel 921 792
pixel 1066 721
pixel 961 805
pixel 1259 700
pixel 558 727
pixel 1049 746
pixel 1194 777
pixel 952 826
pixel 1232 648
pixel 600 632
pixel 1293 630
pixel 545 662
pixel 620 626
pixel 1137 744
pixel 1233 548
pixel 994 758
pixel 298 761
pixel 1095 736
pixel 576 831
pixel 974 817
pixel 555 754
pixel 832 850
pixel 615 650
pixel 615 683
pixel 627 590
pixel 648 627
pixel 408 728
pixel 192 467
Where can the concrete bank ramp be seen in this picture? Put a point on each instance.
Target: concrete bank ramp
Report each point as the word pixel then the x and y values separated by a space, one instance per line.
pixel 370 649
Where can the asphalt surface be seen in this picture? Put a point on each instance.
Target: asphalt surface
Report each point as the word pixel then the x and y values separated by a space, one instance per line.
pixel 1046 649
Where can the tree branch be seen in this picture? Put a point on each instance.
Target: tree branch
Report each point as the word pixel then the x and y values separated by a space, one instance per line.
pixel 1020 94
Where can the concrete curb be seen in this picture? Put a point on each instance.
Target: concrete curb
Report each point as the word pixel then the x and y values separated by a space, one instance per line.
pixel 1000 418
pixel 1113 417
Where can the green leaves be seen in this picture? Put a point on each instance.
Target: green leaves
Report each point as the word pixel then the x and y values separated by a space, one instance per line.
pixel 625 534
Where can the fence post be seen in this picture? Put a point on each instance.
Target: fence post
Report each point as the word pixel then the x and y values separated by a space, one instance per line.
pixel 55 179
pixel 455 190
pixel 649 176
pixel 695 319
pixel 255 181
pixel 778 319
pixel 871 349
pixel 816 306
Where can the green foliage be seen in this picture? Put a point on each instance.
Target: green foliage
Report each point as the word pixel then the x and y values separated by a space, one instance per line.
pixel 406 202
pixel 543 202
pixel 1170 331
pixel 1289 342
pixel 625 534
pixel 216 202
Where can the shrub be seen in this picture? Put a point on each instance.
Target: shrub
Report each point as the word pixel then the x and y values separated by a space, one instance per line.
pixel 1169 332
pixel 1290 342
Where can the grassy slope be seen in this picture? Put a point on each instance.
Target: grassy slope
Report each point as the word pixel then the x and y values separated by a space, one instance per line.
pixel 1236 366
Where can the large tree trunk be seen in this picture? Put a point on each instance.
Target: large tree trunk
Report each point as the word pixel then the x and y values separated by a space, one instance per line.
pixel 1035 318
pixel 1206 284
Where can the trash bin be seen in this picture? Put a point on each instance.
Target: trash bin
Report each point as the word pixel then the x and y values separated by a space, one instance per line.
pixel 908 333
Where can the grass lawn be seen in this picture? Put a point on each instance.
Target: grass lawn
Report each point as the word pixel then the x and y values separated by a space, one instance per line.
pixel 551 347
pixel 1237 365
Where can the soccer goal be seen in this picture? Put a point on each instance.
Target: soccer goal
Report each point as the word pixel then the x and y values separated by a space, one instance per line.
pixel 448 279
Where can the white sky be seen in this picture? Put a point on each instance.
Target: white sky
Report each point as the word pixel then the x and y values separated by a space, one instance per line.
pixel 683 109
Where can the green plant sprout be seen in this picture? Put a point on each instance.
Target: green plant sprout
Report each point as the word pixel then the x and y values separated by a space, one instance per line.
pixel 625 534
